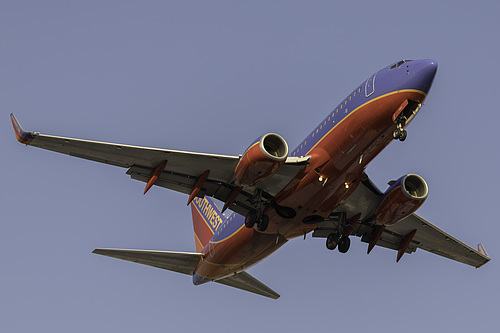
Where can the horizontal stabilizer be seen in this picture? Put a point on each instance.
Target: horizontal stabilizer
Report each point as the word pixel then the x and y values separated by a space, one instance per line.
pixel 186 263
pixel 181 262
pixel 247 282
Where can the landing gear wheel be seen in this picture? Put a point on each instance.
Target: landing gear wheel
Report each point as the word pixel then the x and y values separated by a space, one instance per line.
pixel 250 219
pixel 263 223
pixel 397 133
pixel 403 135
pixel 344 244
pixel 332 241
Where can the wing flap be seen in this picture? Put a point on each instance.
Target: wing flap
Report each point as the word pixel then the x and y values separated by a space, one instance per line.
pixel 126 156
pixel 245 281
pixel 181 262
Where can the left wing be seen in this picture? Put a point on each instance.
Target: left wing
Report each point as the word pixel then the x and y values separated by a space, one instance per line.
pixel 182 168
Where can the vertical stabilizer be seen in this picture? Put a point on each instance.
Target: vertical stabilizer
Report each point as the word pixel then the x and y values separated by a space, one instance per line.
pixel 206 219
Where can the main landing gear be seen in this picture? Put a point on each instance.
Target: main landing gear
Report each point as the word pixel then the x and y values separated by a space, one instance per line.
pixel 333 240
pixel 252 218
pixel 339 235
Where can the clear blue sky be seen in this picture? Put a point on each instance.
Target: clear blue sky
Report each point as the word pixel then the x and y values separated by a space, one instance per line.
pixel 211 76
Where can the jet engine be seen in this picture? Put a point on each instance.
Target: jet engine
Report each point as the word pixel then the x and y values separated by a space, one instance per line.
pixel 261 160
pixel 403 197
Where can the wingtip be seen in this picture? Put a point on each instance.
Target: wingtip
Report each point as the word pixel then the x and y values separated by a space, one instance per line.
pixel 21 135
pixel 99 251
pixel 482 250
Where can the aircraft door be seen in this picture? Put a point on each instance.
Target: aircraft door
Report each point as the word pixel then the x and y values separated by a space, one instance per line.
pixel 370 85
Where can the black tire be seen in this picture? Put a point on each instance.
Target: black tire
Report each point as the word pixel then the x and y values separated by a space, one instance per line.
pixel 403 136
pixel 263 223
pixel 250 219
pixel 332 241
pixel 396 134
pixel 344 244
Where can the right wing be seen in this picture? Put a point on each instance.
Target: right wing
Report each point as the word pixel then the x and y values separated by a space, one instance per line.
pixel 432 239
pixel 182 169
pixel 427 237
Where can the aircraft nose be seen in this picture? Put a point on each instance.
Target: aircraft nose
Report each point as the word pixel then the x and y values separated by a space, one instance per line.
pixel 425 72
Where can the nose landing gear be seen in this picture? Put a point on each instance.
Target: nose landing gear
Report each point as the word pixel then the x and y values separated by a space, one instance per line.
pixel 400 133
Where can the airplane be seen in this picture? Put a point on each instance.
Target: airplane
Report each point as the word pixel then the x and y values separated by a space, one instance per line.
pixel 276 194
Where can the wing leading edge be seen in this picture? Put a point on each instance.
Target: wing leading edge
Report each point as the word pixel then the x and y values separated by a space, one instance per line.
pixel 182 168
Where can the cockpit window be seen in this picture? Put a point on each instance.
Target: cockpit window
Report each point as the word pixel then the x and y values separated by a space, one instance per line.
pixel 399 64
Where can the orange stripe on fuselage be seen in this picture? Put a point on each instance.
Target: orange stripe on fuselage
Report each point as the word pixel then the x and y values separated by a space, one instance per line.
pixel 362 106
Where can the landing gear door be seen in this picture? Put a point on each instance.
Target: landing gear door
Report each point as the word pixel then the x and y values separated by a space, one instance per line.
pixel 370 85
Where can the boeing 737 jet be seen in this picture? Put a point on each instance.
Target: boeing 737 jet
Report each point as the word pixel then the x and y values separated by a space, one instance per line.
pixel 276 194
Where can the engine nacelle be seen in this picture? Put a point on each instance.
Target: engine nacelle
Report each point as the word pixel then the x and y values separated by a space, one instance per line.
pixel 261 160
pixel 402 198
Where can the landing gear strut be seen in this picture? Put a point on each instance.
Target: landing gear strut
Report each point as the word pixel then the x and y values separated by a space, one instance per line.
pixel 256 216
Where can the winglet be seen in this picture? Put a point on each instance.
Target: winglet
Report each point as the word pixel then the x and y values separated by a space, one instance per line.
pixel 22 136
pixel 482 250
